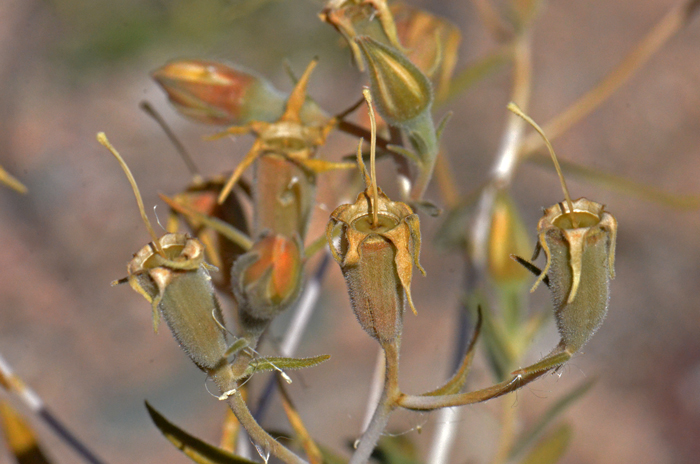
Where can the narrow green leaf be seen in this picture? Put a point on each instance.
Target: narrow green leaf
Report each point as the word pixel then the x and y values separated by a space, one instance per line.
pixel 530 435
pixel 455 384
pixel 194 448
pixel 551 448
pixel 640 190
pixel 279 363
pixel 497 348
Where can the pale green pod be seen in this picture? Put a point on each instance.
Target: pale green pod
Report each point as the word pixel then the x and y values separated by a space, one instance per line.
pixel 580 251
pixel 179 286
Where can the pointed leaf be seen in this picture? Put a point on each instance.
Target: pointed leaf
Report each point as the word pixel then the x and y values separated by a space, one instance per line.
pixel 280 363
pixel 455 384
pixel 551 448
pixel 21 439
pixel 194 448
pixel 534 432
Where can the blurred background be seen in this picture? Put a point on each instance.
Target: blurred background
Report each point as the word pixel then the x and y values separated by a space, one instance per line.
pixel 71 68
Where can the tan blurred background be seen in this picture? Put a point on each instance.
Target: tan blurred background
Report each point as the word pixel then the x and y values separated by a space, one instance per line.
pixel 71 68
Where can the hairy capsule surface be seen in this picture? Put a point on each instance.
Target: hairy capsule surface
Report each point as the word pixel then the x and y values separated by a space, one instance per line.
pixel 580 251
pixel 377 260
pixel 179 287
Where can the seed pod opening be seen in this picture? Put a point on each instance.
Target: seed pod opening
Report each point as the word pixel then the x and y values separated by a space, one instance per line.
pixel 179 286
pixel 377 260
pixel 580 250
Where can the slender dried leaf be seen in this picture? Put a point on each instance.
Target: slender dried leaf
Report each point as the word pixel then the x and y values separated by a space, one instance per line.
pixel 551 448
pixel 9 180
pixel 21 439
pixel 312 451
pixel 194 448
pixel 533 433
pixel 281 363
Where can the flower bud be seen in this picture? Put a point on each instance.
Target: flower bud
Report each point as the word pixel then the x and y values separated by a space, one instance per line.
pixel 178 285
pixel 267 279
pixel 431 43
pixel 507 236
pixel 377 261
pixel 401 91
pixel 214 93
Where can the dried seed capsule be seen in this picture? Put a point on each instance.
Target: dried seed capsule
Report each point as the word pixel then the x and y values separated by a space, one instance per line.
pixel 171 274
pixel 178 285
pixel 580 264
pixel 578 238
pixel 361 17
pixel 377 261
pixel 379 244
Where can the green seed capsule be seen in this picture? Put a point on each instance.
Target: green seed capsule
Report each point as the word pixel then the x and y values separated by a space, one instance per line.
pixel 179 287
pixel 377 260
pixel 580 251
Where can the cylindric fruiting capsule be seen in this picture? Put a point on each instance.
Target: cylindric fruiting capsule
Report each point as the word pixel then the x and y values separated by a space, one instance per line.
pixel 578 239
pixel 379 245
pixel 580 250
pixel 377 261
pixel 179 287
pixel 171 274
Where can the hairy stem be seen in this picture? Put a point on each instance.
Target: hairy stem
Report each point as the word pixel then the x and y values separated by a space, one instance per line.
pixel 387 403
pixel 429 403
pixel 257 433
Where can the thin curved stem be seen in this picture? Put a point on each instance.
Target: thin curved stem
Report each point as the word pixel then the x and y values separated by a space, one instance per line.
pixel 387 403
pixel 429 403
pixel 257 433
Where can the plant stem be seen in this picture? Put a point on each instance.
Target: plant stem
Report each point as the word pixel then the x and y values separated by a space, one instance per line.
pixel 387 403
pixel 429 403
pixel 507 156
pixel 257 433
pixel 12 383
